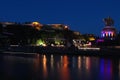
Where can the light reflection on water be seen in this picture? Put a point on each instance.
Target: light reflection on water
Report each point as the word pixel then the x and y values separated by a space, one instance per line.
pixel 119 69
pixel 59 67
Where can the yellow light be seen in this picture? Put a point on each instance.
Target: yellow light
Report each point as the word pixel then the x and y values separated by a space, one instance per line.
pixel 37 25
pixel 91 38
pixel 44 65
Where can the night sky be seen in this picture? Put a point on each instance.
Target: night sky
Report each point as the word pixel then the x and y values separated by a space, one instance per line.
pixel 85 16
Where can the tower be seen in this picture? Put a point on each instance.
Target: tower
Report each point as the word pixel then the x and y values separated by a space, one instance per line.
pixel 109 31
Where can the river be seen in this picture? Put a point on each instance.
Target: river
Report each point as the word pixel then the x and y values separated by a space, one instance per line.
pixel 58 67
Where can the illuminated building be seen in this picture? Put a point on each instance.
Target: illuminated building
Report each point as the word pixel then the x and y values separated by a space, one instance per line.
pixel 59 26
pixel 37 34
pixel 36 25
pixel 109 31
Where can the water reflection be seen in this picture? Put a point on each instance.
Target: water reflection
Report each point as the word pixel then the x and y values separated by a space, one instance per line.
pixel 36 62
pixel 60 67
pixel 79 62
pixel 106 69
pixel 87 63
pixel 52 61
pixel 44 66
pixel 64 71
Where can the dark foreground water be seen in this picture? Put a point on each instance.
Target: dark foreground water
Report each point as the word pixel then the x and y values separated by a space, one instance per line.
pixel 58 67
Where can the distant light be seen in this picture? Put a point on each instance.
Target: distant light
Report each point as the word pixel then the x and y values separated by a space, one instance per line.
pixel 109 33
pixel 88 48
pixel 103 35
pixel 112 34
pixel 66 27
pixel 100 40
pixel 37 25
pixel 106 34
pixel 91 38
pixel 111 38
pixel 40 43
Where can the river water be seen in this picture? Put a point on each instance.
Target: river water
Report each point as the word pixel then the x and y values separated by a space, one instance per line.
pixel 58 67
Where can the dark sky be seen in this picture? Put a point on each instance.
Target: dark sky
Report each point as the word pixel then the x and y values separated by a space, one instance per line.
pixel 85 16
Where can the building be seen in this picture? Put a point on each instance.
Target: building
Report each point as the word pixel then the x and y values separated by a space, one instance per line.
pixel 108 34
pixel 59 26
pixel 109 31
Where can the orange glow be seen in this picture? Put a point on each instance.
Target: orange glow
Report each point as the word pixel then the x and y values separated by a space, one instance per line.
pixel 112 34
pixel 37 25
pixel 44 66
pixel 64 69
pixel 87 63
pixel 57 25
pixel 65 61
pixel 79 62
pixel 106 34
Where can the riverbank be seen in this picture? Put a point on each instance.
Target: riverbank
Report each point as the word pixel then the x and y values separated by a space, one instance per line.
pixel 83 51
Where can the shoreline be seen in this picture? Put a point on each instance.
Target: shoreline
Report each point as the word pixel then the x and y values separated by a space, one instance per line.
pixel 33 50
